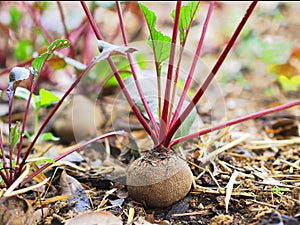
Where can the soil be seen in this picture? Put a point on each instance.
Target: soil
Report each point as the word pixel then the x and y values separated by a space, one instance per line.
pixel 255 181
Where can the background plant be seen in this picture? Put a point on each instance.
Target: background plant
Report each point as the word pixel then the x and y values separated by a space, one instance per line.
pixel 164 49
pixel 14 168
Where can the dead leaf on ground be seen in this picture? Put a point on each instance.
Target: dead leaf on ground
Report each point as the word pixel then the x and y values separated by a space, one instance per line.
pixel 102 217
pixel 70 186
pixel 15 211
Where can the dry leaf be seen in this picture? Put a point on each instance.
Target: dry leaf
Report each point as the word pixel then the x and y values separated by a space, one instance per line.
pixel 95 218
pixel 15 211
pixel 70 186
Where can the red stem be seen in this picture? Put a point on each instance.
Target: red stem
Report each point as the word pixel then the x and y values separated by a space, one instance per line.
pixel 88 68
pixel 33 86
pixel 209 78
pixel 3 155
pixel 67 34
pixel 137 83
pixel 235 121
pixel 11 147
pixel 114 133
pixel 10 104
pixel 5 179
pixel 164 121
pixel 179 63
pixel 192 70
pixel 36 18
pixel 21 64
pixel 119 79
pixel 158 72
pixel 116 31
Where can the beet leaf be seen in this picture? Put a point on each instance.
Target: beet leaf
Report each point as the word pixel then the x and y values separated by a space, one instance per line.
pixel 187 16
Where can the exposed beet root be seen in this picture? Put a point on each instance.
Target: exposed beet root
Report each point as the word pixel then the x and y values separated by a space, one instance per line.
pixel 159 179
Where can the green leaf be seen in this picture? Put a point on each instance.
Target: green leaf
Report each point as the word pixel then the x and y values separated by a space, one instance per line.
pixel 48 136
pixel 23 50
pixel 162 46
pixel 187 16
pixel 277 190
pixel 15 17
pixel 58 45
pixel 15 135
pixel 158 41
pixel 289 84
pixel 112 81
pixel 38 62
pixel 0 93
pixel 47 98
pixel 41 160
pixel 149 16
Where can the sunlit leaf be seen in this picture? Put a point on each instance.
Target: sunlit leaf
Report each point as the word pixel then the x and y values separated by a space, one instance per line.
pixel 187 16
pixel 158 41
pixel 162 46
pixel 149 16
pixel 277 190
pixel 40 160
pixel 113 81
pixel 38 62
pixel 47 98
pixel 48 136
pixel 289 84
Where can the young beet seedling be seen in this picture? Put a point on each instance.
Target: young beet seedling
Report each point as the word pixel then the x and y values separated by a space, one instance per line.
pixel 14 172
pixel 160 178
